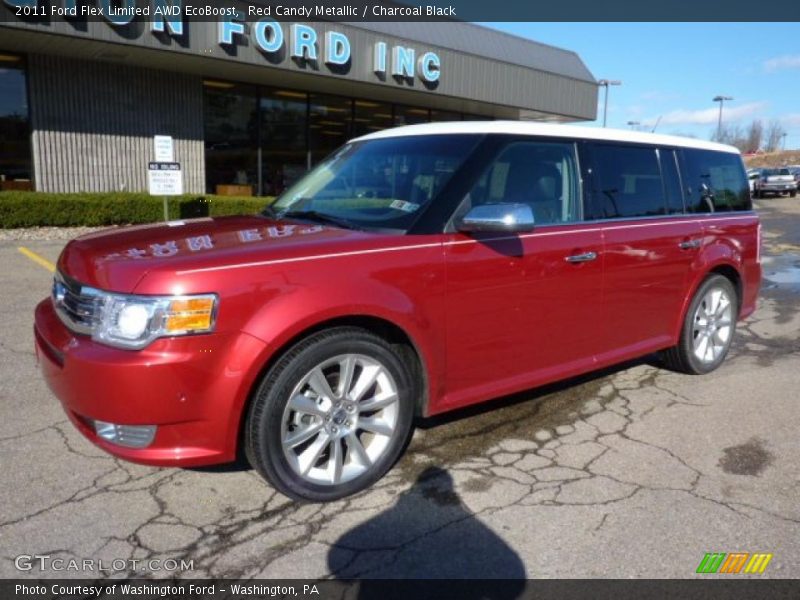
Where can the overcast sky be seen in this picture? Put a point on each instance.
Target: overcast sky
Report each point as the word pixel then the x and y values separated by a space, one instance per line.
pixel 673 70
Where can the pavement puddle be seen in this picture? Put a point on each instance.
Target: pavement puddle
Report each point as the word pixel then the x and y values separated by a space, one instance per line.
pixel 782 272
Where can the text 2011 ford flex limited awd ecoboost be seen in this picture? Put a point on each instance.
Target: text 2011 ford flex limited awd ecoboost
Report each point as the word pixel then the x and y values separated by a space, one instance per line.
pixel 414 271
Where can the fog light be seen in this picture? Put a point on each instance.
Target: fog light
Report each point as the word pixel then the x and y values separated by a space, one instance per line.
pixel 130 436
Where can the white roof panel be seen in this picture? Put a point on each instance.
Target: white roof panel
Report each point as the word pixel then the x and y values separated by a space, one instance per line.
pixel 534 128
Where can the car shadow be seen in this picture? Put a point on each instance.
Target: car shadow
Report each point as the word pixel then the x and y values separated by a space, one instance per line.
pixel 428 533
pixel 536 394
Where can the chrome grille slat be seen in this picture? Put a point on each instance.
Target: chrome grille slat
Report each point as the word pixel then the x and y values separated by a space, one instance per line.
pixel 77 306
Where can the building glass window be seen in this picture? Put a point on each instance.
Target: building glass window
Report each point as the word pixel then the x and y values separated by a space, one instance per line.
pixel 231 138
pixel 467 117
pixel 15 142
pixel 410 115
pixel 261 140
pixel 329 126
pixel 369 117
pixel 284 155
pixel 438 116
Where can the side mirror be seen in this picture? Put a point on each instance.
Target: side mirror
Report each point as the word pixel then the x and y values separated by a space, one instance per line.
pixel 503 218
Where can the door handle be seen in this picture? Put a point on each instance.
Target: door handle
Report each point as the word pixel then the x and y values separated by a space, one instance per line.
pixel 689 244
pixel 580 258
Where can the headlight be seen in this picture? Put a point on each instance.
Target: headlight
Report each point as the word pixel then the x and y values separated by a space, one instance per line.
pixel 135 321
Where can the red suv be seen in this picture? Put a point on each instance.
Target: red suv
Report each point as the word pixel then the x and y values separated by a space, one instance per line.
pixel 414 271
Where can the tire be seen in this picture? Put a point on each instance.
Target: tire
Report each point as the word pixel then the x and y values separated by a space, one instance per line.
pixel 314 440
pixel 792 194
pixel 690 355
pixel 756 194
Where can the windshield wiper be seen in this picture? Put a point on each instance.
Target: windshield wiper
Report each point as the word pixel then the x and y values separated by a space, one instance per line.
pixel 319 217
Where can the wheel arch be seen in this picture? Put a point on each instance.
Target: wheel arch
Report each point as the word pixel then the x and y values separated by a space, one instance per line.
pixel 385 328
pixel 726 268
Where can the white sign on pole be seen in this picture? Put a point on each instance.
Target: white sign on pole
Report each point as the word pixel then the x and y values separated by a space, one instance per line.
pixel 165 179
pixel 164 148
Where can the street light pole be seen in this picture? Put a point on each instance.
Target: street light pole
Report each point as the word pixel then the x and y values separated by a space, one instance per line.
pixel 721 100
pixel 605 83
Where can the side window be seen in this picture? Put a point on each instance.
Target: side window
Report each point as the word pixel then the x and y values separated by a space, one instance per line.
pixel 672 181
pixel 542 175
pixel 715 181
pixel 627 182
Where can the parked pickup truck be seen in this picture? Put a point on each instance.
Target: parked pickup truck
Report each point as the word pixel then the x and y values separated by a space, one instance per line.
pixel 775 181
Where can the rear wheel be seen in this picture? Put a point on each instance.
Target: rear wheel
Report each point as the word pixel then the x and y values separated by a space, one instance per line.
pixel 708 328
pixel 332 416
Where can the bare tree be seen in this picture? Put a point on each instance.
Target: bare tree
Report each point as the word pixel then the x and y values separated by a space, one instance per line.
pixel 774 134
pixel 755 135
pixel 732 135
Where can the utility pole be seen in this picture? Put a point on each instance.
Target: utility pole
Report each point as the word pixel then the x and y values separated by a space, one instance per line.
pixel 721 100
pixel 605 83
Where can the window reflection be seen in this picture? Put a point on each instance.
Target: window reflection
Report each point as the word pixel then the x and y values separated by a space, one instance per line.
pixel 15 144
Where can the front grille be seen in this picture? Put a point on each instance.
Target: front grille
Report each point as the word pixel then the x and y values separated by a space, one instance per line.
pixel 78 306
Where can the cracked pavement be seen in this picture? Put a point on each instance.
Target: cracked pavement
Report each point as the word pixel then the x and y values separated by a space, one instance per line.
pixel 634 471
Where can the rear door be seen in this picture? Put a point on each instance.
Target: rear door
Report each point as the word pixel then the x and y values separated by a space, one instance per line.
pixel 649 245
pixel 523 309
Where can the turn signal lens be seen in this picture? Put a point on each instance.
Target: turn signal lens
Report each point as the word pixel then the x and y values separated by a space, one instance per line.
pixel 189 314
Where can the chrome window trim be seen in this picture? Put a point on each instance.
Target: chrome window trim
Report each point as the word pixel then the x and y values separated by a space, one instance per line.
pixel 683 216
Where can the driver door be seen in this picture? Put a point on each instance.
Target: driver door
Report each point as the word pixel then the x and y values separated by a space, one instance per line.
pixel 523 309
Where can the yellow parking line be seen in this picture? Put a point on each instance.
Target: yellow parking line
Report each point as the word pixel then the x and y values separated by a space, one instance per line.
pixel 39 260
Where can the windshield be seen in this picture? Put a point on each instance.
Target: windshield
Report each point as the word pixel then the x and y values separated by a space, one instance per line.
pixel 776 172
pixel 377 184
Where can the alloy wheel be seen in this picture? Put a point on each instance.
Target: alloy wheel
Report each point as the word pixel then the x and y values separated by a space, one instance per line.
pixel 340 419
pixel 712 325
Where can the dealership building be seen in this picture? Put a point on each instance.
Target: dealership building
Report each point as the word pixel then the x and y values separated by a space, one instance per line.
pixel 250 104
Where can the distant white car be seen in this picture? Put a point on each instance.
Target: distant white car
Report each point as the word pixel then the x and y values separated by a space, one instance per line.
pixel 752 177
pixel 775 181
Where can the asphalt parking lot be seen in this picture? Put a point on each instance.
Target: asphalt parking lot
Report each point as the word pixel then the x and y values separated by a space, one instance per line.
pixel 633 472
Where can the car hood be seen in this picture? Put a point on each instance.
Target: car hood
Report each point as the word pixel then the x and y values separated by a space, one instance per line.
pixel 118 259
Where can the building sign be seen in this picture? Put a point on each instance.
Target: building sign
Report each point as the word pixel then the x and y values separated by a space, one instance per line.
pixel 164 148
pixel 257 25
pixel 164 179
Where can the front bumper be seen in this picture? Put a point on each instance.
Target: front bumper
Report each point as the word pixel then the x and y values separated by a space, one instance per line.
pixel 192 388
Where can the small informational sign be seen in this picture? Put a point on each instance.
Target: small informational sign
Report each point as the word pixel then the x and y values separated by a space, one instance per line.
pixel 165 179
pixel 164 148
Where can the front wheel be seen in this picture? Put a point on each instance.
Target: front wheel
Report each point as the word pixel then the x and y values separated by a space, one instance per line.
pixel 332 416
pixel 708 328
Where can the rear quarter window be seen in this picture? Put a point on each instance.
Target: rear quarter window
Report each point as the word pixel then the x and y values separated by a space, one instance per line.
pixel 627 182
pixel 715 181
